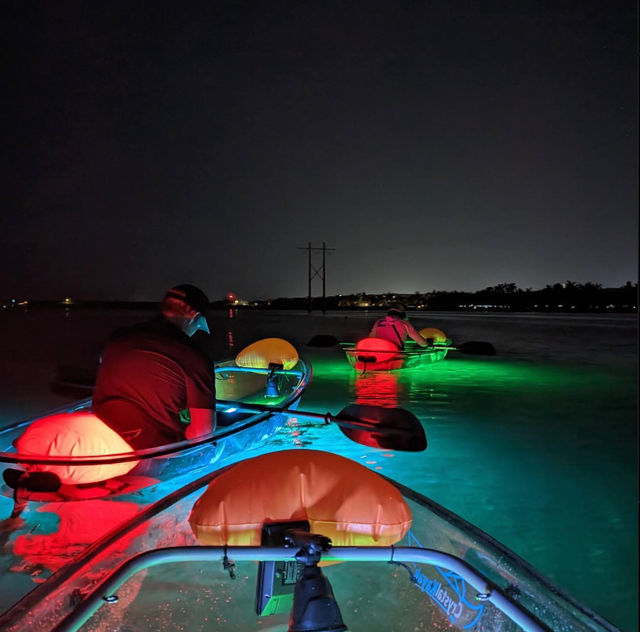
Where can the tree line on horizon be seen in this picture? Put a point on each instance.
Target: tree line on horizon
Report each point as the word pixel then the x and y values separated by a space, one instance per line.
pixel 567 296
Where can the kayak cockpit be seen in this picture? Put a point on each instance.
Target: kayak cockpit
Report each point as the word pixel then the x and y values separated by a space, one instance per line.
pixel 155 571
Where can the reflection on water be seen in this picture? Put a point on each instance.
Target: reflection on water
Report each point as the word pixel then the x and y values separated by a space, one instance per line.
pixel 537 446
pixel 377 389
pixel 78 524
pixel 541 456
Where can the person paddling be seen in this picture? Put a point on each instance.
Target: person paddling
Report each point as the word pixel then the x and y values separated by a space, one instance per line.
pixel 154 386
pixel 395 327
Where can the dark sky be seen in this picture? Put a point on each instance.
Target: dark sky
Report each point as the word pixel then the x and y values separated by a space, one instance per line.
pixel 441 144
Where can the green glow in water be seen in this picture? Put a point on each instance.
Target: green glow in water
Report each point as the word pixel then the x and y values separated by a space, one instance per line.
pixel 542 456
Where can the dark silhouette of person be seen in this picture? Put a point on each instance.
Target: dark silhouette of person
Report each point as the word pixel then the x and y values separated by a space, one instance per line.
pixel 154 386
pixel 396 328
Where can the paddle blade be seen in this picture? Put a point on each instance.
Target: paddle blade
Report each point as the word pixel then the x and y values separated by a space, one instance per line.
pixel 477 347
pixel 384 428
pixel 323 340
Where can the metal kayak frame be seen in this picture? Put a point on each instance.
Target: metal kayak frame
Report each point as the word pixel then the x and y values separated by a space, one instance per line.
pixel 104 593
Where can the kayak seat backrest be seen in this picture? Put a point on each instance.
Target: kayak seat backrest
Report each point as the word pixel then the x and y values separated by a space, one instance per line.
pixel 262 353
pixel 377 353
pixel 376 346
pixel 74 434
pixel 437 335
pixel 341 499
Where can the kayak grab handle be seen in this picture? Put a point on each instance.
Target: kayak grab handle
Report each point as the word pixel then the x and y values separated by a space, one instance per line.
pixel 105 591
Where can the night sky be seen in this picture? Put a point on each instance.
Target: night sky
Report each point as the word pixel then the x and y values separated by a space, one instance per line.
pixel 441 144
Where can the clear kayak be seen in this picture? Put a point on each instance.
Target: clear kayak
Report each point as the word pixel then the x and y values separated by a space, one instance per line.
pixel 43 526
pixel 367 355
pixel 156 571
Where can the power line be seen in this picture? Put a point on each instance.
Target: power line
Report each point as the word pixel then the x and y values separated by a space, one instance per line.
pixel 314 272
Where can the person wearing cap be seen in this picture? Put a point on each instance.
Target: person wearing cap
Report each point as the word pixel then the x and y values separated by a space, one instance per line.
pixel 154 386
pixel 396 328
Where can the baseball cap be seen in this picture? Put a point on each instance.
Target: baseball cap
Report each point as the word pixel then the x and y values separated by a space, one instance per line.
pixel 397 307
pixel 193 296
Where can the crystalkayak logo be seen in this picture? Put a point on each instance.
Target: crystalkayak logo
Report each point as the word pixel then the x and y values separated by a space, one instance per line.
pixel 448 591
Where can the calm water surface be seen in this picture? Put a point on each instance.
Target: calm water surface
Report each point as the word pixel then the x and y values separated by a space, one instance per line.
pixel 537 445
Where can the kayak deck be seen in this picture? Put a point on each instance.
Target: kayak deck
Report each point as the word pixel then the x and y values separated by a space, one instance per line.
pixel 412 356
pixel 41 532
pixel 190 588
pixel 275 389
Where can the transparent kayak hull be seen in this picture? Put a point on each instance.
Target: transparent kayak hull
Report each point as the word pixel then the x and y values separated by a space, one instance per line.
pixel 236 429
pixel 42 531
pixel 411 357
pixel 445 574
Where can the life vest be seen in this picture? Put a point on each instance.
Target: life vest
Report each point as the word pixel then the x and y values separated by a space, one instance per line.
pixel 341 499
pixel 391 329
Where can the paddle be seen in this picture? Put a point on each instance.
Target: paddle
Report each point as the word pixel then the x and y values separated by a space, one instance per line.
pixel 473 347
pixel 373 426
pixel 390 428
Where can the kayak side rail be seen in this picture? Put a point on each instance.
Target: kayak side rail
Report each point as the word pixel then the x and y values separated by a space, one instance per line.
pixel 409 345
pixel 501 551
pixel 149 453
pixel 137 455
pixel 247 369
pixel 66 408
pixel 289 403
pixel 79 565
pixel 413 351
pixel 218 368
pixel 104 593
pixel 396 352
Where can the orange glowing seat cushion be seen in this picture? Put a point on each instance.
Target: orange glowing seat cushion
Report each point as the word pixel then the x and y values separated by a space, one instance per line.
pixel 261 353
pixel 385 347
pixel 340 499
pixel 437 335
pixel 378 354
pixel 74 434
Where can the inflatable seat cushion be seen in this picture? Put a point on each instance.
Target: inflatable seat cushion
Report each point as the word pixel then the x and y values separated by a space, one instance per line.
pixel 75 434
pixel 261 353
pixel 340 499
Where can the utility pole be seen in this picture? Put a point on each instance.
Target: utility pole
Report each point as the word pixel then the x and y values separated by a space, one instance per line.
pixel 313 272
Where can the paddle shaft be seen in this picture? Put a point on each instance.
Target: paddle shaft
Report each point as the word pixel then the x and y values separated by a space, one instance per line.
pixel 373 426
pixel 472 347
pixel 326 417
pixel 397 422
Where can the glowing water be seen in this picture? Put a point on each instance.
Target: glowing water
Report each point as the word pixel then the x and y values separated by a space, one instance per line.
pixel 537 446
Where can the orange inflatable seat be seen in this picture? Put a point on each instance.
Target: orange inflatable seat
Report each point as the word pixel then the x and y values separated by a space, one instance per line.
pixel 259 354
pixel 340 499
pixel 74 434
pixel 378 354
pixel 437 335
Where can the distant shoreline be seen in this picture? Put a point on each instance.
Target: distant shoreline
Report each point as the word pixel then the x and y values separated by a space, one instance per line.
pixel 302 306
pixel 564 298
